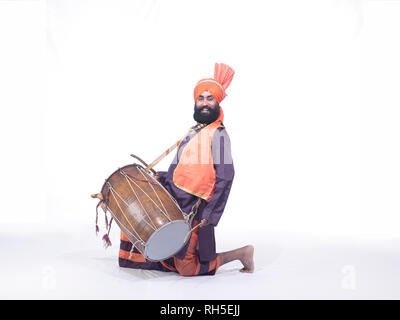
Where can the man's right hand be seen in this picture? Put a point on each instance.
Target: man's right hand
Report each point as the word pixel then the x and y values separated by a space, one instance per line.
pixel 203 223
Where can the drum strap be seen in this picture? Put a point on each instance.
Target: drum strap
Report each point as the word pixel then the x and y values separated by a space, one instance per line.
pixel 189 217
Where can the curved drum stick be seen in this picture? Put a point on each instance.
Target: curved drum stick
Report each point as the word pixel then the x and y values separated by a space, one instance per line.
pixel 187 235
pixel 144 163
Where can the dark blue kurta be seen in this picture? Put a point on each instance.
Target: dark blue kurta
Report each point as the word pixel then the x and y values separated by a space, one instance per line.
pixel 212 210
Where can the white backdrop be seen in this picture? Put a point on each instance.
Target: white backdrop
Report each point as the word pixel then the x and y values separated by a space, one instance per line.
pixel 312 111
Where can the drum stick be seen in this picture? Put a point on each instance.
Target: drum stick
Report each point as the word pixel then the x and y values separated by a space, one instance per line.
pixel 187 235
pixel 162 156
pixel 166 152
pixel 144 163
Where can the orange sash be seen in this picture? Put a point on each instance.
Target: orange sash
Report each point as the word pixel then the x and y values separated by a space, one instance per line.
pixel 195 171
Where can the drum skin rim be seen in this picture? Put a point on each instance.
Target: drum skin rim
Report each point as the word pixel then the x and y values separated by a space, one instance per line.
pixel 155 233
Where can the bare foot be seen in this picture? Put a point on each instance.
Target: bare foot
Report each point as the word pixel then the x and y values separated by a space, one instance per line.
pixel 247 259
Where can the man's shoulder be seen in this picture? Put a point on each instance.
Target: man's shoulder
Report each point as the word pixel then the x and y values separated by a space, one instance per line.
pixel 221 146
pixel 221 133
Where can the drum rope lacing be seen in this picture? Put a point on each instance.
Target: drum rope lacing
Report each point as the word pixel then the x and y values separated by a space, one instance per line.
pixel 127 231
pixel 145 211
pixel 127 205
pixel 169 195
pixel 137 236
pixel 166 211
pixel 128 178
pixel 132 248
pixel 111 189
pixel 123 213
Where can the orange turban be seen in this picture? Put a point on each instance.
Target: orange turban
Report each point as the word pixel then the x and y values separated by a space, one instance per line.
pixel 223 75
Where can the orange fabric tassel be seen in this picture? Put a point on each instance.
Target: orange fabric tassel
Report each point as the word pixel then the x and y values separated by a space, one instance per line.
pixel 223 74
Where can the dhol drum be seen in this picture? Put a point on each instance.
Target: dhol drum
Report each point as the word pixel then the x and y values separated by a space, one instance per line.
pixel 146 213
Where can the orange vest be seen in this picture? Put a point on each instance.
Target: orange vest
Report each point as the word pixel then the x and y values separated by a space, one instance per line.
pixel 195 171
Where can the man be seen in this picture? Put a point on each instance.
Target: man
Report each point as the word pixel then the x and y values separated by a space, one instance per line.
pixel 202 169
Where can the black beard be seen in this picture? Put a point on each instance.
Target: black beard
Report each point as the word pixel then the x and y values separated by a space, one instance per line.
pixel 209 118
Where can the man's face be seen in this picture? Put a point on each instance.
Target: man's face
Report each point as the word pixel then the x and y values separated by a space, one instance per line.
pixel 205 102
pixel 206 109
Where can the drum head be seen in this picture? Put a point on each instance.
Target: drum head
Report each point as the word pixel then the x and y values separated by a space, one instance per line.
pixel 166 241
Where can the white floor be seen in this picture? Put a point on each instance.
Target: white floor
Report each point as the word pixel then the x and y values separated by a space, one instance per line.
pixel 44 264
